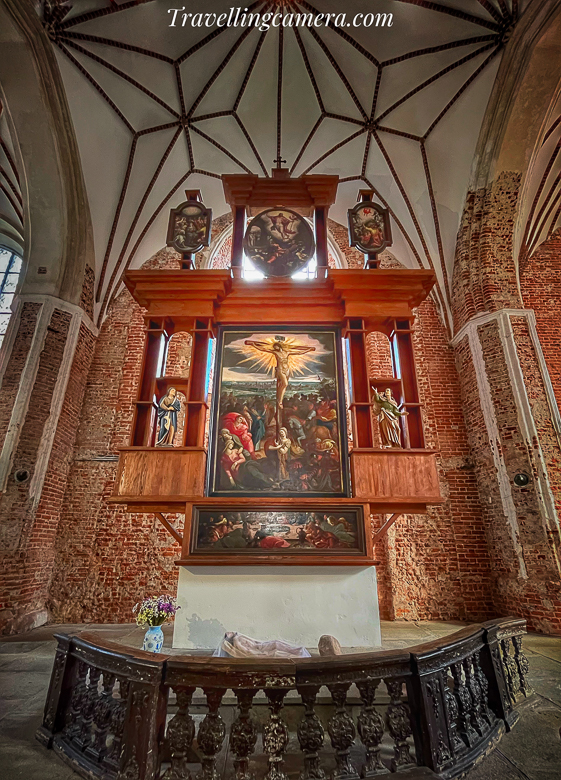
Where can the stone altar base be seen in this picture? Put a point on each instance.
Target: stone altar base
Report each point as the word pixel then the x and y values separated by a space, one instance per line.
pixel 294 603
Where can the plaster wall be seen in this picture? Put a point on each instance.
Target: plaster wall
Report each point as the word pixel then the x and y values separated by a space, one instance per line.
pixel 295 603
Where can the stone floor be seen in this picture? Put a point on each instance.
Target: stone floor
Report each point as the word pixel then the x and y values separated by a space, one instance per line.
pixel 532 751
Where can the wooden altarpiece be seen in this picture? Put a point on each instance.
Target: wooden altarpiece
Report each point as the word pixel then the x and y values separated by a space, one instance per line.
pixel 201 302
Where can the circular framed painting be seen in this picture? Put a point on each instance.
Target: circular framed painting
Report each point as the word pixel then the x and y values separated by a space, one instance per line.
pixel 279 242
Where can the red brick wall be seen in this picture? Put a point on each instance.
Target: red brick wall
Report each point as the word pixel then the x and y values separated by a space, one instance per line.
pixel 28 535
pixel 106 558
pixel 486 280
pixel 540 283
pixel 485 277
pixel 432 566
pixel 436 566
pixel 16 363
pixel 525 578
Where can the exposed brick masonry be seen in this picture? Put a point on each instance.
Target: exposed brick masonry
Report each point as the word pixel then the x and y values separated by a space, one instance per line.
pixel 20 594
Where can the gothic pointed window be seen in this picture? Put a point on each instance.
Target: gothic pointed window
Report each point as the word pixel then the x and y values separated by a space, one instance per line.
pixel 10 267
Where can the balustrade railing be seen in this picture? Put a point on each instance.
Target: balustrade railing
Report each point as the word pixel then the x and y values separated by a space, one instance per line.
pixel 432 710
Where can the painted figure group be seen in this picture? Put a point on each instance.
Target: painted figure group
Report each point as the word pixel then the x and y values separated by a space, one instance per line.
pixel 302 456
pixel 251 530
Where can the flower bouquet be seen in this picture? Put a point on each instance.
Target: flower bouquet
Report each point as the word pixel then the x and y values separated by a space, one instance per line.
pixel 153 613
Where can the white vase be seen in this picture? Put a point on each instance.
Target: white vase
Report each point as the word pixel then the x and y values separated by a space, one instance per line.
pixel 153 639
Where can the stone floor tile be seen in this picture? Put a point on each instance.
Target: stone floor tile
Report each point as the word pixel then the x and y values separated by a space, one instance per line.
pixel 548 646
pixel 545 676
pixel 14 648
pixel 534 746
pixel 496 767
pixel 21 684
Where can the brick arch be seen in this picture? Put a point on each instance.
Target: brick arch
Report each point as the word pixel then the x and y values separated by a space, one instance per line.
pixel 55 204
pixel 486 273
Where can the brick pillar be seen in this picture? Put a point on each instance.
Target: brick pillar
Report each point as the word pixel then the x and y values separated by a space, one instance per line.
pixel 512 418
pixel 43 372
pixel 505 384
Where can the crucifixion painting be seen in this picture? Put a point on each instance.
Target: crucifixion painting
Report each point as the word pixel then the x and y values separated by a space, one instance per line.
pixel 278 419
pixel 286 355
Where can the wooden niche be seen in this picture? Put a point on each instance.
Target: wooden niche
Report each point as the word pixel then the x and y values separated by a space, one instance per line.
pixel 203 303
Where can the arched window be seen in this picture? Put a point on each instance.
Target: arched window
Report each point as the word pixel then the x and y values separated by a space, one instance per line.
pixel 10 267
pixel 250 272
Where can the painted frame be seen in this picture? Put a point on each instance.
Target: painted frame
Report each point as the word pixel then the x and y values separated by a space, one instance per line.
pixel 358 216
pixel 310 535
pixel 216 482
pixel 188 211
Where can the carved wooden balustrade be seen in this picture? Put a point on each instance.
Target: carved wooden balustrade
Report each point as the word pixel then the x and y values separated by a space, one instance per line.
pixel 429 711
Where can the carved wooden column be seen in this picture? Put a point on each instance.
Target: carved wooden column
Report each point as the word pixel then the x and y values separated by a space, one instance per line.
pixel 237 240
pixel 158 333
pixel 359 389
pixel 196 406
pixel 403 358
pixel 320 224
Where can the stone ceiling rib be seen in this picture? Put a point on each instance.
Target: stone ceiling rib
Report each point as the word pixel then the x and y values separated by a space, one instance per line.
pixel 275 120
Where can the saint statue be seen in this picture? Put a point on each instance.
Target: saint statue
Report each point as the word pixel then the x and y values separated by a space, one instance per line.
pixel 167 417
pixel 388 414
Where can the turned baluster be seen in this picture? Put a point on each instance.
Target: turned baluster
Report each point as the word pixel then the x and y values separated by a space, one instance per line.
pixel 474 689
pixel 85 738
pixel 101 717
pixel 511 670
pixel 486 713
pixel 342 733
pixel 310 734
pixel 398 719
pixel 243 734
pixel 180 735
pixel 275 735
pixel 74 724
pixel 452 714
pixel 211 734
pixel 370 726
pixel 522 665
pixel 463 699
pixel 116 723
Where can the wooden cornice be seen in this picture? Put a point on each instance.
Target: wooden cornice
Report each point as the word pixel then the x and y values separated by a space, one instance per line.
pixel 375 296
pixel 257 193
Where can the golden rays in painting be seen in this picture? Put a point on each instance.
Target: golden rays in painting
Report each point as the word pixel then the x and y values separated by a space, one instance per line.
pixel 263 355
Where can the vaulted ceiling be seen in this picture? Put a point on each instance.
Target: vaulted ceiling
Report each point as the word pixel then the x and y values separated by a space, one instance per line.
pixel 158 109
pixel 11 202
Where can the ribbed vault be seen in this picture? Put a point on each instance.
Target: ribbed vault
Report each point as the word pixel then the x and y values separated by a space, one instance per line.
pixel 157 109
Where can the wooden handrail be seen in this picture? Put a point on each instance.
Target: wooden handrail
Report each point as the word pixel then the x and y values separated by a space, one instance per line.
pixel 446 704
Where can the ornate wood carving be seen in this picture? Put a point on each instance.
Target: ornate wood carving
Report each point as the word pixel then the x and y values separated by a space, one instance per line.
pixel 211 734
pixel 275 735
pixel 342 733
pixel 398 718
pixel 243 734
pixel 311 735
pixel 180 735
pixel 370 726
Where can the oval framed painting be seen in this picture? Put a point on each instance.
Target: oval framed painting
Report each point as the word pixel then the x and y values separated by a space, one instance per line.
pixel 279 242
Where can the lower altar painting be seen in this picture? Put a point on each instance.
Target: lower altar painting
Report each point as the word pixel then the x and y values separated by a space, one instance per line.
pixel 256 532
